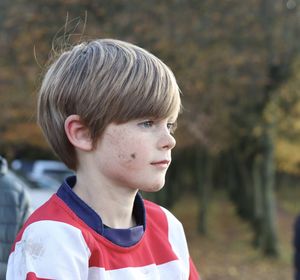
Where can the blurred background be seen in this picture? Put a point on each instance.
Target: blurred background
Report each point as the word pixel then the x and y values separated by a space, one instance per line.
pixel 235 178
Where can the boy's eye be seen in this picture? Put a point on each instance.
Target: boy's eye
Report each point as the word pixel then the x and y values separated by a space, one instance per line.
pixel 146 124
pixel 172 127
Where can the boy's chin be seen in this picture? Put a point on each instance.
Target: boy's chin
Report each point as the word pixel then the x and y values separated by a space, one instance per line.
pixel 153 188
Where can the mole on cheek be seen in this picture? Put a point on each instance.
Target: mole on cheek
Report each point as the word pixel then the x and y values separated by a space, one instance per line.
pixel 132 156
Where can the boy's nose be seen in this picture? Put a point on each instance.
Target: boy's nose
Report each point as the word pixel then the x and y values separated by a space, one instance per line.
pixel 167 141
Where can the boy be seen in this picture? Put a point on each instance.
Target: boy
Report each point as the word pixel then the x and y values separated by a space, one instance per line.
pixel 108 109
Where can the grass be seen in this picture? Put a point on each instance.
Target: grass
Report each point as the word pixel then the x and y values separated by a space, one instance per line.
pixel 226 251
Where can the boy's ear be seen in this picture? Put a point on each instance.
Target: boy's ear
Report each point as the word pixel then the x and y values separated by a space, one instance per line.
pixel 77 133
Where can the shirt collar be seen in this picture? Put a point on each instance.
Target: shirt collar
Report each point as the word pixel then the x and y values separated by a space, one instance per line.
pixel 122 237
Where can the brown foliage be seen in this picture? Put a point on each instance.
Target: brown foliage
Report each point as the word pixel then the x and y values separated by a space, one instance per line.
pixel 220 51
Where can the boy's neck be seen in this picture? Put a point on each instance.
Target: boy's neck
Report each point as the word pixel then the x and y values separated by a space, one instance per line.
pixel 113 204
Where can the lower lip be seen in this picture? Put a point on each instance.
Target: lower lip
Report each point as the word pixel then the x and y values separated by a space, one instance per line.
pixel 162 165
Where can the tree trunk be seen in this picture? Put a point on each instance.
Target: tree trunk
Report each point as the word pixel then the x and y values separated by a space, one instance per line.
pixel 205 163
pixel 257 201
pixel 245 198
pixel 270 242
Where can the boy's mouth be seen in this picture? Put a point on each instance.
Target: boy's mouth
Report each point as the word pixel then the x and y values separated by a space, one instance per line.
pixel 161 163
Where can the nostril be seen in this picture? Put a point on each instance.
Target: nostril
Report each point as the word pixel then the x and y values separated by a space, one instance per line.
pixel 170 143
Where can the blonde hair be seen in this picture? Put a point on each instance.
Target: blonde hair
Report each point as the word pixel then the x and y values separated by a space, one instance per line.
pixel 103 81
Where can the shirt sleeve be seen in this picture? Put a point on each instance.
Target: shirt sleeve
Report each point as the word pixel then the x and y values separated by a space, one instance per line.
pixel 178 242
pixel 49 250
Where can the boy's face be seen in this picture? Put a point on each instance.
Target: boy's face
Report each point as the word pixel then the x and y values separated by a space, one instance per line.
pixel 136 154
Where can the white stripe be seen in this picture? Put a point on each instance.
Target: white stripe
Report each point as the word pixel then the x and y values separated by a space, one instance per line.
pixel 57 250
pixel 178 242
pixel 52 250
pixel 167 271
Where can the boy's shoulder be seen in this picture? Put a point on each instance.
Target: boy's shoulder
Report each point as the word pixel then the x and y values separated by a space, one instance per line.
pixel 53 210
pixel 56 210
pixel 154 209
pixel 159 215
pixel 53 214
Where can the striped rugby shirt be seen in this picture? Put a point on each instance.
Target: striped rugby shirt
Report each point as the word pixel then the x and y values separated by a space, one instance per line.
pixel 65 239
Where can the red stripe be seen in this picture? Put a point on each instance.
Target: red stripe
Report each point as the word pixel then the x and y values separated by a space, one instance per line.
pixel 193 272
pixel 154 248
pixel 32 276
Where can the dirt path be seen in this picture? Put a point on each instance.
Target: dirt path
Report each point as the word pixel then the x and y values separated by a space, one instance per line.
pixel 226 252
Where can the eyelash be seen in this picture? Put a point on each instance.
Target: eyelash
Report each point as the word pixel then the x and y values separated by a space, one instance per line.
pixel 172 127
pixel 148 124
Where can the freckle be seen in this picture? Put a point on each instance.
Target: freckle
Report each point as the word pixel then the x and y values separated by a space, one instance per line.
pixel 132 155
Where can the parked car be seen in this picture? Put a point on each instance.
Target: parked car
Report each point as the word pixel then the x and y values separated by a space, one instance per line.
pixel 47 174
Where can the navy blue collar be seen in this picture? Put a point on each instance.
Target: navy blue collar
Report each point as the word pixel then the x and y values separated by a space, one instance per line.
pixel 121 237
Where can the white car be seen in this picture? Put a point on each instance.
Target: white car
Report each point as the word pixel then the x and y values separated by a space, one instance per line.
pixel 37 196
pixel 47 174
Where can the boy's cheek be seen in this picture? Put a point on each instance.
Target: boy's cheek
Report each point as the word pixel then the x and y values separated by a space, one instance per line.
pixel 132 160
pixel 126 157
